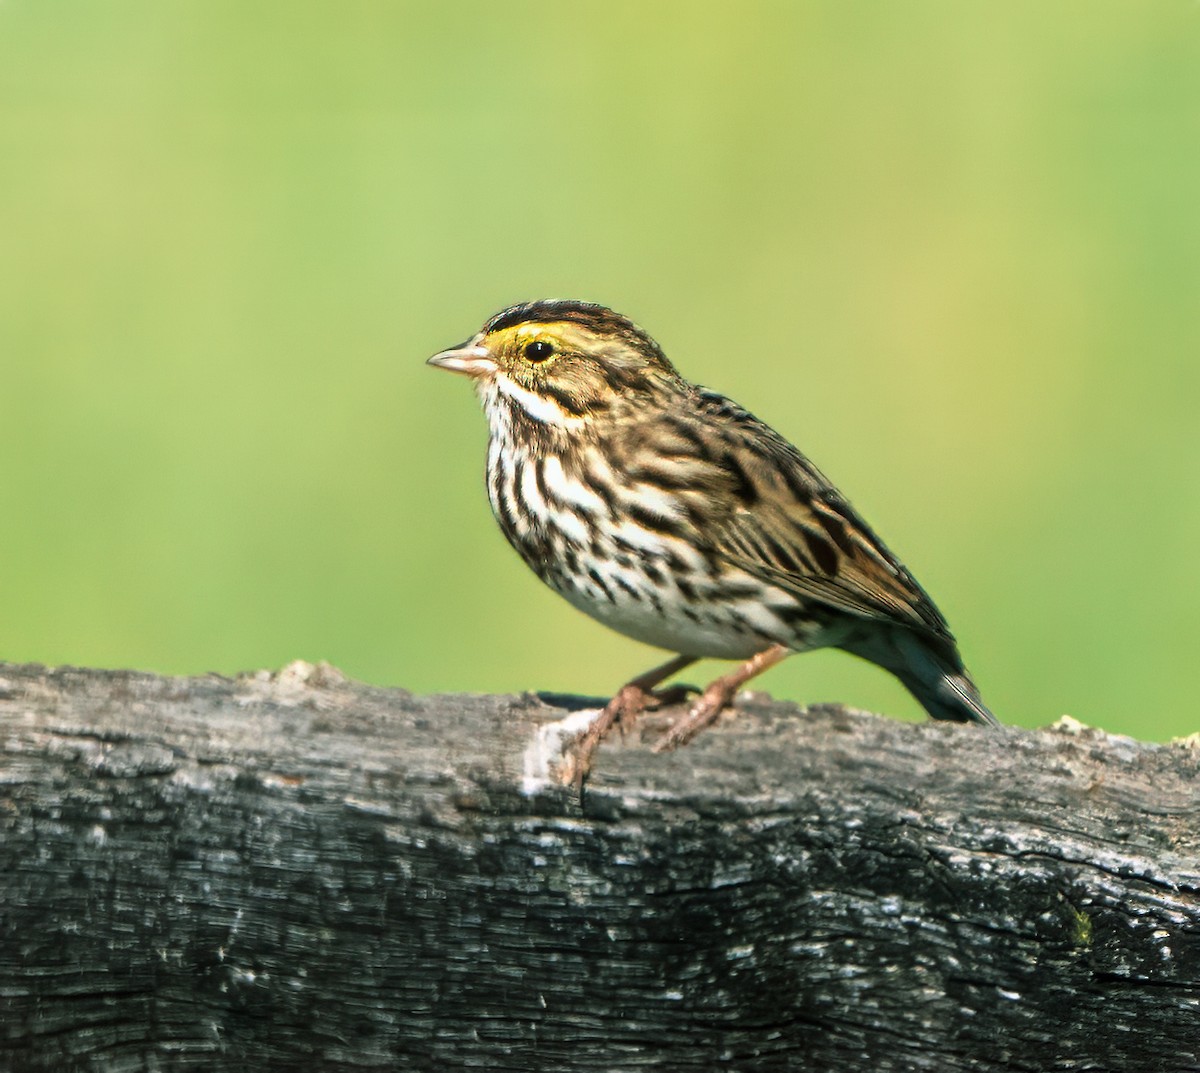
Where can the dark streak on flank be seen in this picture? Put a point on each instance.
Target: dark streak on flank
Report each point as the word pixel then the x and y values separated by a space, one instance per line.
pixel 571 559
pixel 655 522
pixel 594 574
pixel 634 592
pixel 747 625
pixel 533 517
pixel 507 521
pixel 735 590
pixel 539 479
pixel 677 564
pixel 602 488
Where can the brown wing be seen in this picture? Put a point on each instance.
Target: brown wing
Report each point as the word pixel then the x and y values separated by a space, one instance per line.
pixel 784 522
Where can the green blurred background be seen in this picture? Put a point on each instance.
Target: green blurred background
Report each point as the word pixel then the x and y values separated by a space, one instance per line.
pixel 951 250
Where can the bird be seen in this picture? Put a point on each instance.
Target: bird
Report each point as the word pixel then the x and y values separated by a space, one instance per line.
pixel 669 513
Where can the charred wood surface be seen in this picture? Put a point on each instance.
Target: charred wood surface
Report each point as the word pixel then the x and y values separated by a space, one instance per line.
pixel 297 872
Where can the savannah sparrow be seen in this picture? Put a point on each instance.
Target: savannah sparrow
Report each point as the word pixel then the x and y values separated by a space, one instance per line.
pixel 672 515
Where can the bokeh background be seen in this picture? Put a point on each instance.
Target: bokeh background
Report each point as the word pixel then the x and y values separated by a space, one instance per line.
pixel 951 250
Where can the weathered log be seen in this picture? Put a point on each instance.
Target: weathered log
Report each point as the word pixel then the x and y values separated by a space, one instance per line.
pixel 296 872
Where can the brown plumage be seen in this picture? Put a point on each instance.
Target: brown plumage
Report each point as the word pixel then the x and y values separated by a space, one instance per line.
pixel 673 515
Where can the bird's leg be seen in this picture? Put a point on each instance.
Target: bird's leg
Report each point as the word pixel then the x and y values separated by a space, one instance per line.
pixel 637 695
pixel 705 711
pixel 630 701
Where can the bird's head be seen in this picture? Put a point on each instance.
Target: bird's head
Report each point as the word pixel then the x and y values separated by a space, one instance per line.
pixel 559 362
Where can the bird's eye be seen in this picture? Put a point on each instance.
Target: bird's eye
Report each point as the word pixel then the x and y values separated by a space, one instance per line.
pixel 538 350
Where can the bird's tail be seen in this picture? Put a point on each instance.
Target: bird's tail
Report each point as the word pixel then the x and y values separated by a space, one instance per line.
pixel 951 696
pixel 931 672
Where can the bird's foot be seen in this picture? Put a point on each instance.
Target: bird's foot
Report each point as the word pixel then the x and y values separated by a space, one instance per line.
pixel 701 714
pixel 717 696
pixel 631 700
pixel 622 711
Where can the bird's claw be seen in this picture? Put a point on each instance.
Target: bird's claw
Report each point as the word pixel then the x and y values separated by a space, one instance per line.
pixel 701 714
pixel 628 703
pixel 622 711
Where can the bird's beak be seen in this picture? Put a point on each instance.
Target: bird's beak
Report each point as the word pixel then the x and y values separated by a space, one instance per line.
pixel 470 359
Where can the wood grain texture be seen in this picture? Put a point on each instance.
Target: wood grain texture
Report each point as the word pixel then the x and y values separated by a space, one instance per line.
pixel 295 872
